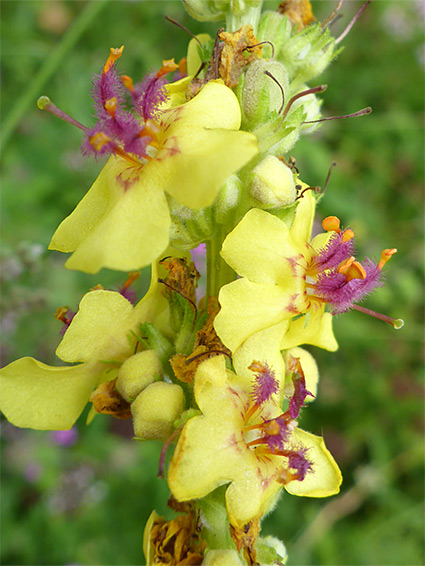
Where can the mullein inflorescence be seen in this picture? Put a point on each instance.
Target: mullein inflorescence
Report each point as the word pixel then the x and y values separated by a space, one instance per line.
pixel 201 157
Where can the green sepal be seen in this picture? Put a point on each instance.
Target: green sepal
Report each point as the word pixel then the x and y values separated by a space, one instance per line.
pixel 216 526
pixel 185 416
pixel 267 552
pixel 186 336
pixel 157 341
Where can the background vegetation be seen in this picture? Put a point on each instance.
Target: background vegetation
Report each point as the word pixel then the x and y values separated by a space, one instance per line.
pixel 85 500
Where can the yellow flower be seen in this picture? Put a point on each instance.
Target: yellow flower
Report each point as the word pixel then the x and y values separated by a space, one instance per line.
pixel 272 260
pixel 35 395
pixel 229 444
pixel 123 221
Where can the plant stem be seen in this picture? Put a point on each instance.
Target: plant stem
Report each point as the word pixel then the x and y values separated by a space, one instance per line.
pixel 51 63
pixel 218 272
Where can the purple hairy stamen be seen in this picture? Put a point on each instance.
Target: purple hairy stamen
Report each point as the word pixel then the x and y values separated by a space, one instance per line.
pixel 335 251
pixel 265 384
pixel 342 294
pixel 298 398
pixel 148 95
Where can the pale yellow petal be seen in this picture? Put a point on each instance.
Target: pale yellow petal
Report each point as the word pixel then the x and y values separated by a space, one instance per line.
pixel 264 347
pixel 315 328
pixel 206 455
pixel 99 329
pixel 114 227
pixel 193 58
pixel 203 161
pixel 176 93
pixel 248 307
pixel 325 478
pixel 261 248
pixel 248 495
pixel 102 196
pixel 216 106
pixel 35 395
pixel 202 146
pixel 302 225
pixel 321 240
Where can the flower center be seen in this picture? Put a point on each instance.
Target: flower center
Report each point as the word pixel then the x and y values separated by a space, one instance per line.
pixel 272 436
pixel 135 134
pixel 335 277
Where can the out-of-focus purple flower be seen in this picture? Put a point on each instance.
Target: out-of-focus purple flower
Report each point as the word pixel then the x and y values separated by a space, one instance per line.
pixel 198 256
pixel 64 437
pixel 126 291
pixel 32 472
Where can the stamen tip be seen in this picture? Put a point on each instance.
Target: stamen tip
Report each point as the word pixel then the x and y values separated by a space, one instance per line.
pixel 43 101
pixel 398 323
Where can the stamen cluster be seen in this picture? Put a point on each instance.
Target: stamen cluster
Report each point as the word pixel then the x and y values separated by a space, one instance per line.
pixel 275 433
pixel 118 129
pixel 340 280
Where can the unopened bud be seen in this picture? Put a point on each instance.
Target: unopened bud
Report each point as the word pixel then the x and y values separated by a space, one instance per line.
pixel 311 105
pixel 272 184
pixel 155 410
pixel 229 10
pixel 220 557
pixel 138 372
pixel 228 198
pixel 262 94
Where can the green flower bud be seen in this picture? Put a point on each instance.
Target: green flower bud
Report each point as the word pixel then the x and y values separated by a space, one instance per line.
pixel 275 28
pixel 228 199
pixel 260 95
pixel 305 54
pixel 155 410
pixel 272 184
pixel 189 228
pixel 270 550
pixel 310 105
pixel 137 372
pixel 235 12
pixel 221 557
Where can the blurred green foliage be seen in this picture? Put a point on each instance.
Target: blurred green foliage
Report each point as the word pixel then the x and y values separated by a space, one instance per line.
pixel 88 503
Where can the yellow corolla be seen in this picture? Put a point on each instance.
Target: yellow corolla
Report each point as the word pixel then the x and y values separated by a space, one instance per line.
pixel 123 221
pixel 255 448
pixel 272 260
pixel 35 395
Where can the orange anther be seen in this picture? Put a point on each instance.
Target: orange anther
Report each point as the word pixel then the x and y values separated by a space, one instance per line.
pixel 99 140
pixel 271 428
pixel 111 106
pixel 97 287
pixel 151 129
pixel 355 271
pixel 113 56
pixel 183 66
pixel 385 256
pixel 60 314
pixel 128 82
pixel 257 366
pixel 331 223
pixel 168 66
pixel 347 235
pixel 344 266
